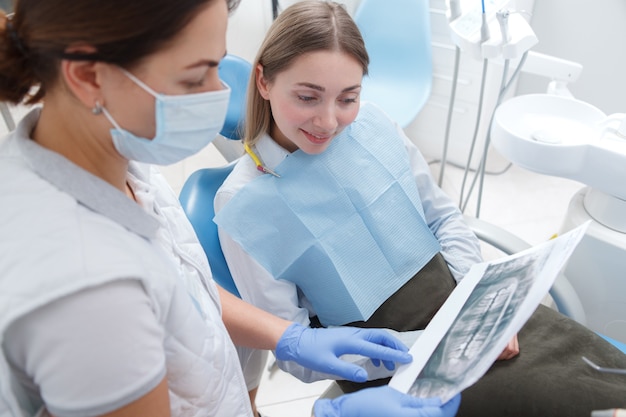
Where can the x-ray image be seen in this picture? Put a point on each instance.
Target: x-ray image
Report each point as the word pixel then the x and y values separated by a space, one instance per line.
pixel 484 316
pixel 487 308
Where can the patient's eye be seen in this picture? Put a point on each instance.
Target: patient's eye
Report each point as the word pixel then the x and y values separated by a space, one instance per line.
pixel 306 99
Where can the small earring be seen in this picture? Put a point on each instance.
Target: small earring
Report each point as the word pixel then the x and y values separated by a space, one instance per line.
pixel 97 109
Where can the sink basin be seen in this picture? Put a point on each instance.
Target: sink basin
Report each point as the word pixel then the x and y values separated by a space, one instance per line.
pixel 563 137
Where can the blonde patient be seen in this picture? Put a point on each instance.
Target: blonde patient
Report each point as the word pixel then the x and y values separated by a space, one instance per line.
pixel 332 218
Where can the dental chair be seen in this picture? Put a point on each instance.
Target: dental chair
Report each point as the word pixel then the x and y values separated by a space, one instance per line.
pixel 234 71
pixel 196 197
pixel 198 192
pixel 398 41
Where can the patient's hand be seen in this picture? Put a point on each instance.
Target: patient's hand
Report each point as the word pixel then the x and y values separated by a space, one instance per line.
pixel 510 351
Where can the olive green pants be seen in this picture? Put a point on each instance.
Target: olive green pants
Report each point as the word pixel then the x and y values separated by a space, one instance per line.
pixel 548 378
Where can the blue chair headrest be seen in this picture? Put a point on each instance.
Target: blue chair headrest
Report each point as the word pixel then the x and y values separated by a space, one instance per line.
pixel 235 72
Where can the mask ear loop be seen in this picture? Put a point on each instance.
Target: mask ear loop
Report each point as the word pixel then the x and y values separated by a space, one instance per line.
pixel 141 84
pixel 99 109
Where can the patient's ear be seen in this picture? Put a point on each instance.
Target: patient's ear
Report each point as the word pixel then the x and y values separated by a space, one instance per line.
pixel 261 82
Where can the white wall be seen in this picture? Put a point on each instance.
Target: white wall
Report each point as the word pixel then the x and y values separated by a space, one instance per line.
pixel 591 33
pixel 247 26
pixel 565 28
pixel 250 21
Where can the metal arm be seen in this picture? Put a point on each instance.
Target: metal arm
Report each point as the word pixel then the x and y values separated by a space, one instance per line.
pixel 6 115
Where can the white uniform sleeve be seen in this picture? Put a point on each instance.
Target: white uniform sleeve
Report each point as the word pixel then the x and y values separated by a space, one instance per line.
pixel 90 352
pixel 459 245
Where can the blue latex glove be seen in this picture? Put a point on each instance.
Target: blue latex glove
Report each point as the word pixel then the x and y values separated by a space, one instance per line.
pixel 382 402
pixel 320 349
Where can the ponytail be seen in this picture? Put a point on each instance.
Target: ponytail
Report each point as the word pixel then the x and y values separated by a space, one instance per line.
pixel 16 76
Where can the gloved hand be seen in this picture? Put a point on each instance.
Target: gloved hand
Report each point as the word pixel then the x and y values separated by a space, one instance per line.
pixel 320 349
pixel 382 402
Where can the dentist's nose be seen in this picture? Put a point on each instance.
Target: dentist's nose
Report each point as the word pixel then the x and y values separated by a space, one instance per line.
pixel 213 83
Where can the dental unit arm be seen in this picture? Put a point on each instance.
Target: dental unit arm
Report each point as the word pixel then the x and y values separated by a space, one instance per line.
pixel 556 134
pixel 490 29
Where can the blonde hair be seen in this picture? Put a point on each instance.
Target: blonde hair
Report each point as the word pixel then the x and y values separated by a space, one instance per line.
pixel 306 26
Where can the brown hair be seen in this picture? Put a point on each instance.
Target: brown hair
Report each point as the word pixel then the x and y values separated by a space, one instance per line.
pixel 306 26
pixel 34 39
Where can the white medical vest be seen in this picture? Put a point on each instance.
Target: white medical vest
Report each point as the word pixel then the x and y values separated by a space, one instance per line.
pixel 64 230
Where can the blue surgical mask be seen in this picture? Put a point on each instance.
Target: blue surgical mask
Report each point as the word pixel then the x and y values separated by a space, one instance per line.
pixel 185 124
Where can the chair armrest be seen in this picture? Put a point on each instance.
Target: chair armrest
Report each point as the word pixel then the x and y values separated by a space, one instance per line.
pixel 495 236
pixel 563 294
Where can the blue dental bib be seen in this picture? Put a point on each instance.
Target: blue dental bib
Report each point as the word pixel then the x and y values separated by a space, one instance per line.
pixel 346 226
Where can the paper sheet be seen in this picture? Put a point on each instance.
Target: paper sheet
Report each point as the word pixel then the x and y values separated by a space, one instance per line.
pixel 483 313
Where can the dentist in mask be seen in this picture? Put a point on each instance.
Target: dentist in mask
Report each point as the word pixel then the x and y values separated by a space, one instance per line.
pixel 107 305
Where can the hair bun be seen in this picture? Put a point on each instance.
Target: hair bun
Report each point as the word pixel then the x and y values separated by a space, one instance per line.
pixel 16 78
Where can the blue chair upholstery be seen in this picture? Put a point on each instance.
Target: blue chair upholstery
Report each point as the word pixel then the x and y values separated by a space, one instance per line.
pixel 198 192
pixel 235 72
pixel 398 41
pixel 196 197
